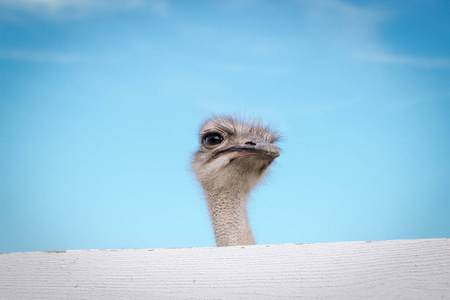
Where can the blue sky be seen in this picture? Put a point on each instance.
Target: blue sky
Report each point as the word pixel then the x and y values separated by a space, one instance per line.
pixel 101 102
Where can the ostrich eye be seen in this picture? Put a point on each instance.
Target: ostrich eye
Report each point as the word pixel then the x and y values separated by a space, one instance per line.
pixel 212 139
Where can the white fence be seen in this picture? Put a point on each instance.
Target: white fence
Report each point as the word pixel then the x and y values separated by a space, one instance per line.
pixel 402 269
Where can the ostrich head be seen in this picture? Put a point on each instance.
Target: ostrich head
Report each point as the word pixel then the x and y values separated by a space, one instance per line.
pixel 233 157
pixel 233 154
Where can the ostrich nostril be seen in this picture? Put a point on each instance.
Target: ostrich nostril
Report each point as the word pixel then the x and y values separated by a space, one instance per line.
pixel 250 143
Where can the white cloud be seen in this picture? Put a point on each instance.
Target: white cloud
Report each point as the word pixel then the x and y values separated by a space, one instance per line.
pixel 405 60
pixel 237 4
pixel 340 25
pixel 38 56
pixel 340 7
pixel 71 8
pixel 353 31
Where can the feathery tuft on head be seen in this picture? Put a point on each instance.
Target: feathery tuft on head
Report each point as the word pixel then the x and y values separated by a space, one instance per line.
pixel 242 125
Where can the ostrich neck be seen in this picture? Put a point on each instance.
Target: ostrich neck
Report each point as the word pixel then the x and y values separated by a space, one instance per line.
pixel 229 218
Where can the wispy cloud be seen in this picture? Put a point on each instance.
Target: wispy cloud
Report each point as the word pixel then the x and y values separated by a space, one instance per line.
pixel 405 60
pixel 344 8
pixel 38 56
pixel 340 25
pixel 354 30
pixel 237 4
pixel 71 8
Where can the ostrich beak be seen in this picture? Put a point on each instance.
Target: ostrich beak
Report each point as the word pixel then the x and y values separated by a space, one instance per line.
pixel 253 146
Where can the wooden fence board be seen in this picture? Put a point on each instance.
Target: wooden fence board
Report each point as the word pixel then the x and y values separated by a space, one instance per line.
pixel 400 269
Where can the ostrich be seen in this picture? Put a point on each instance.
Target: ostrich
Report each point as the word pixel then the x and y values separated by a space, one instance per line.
pixel 234 156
